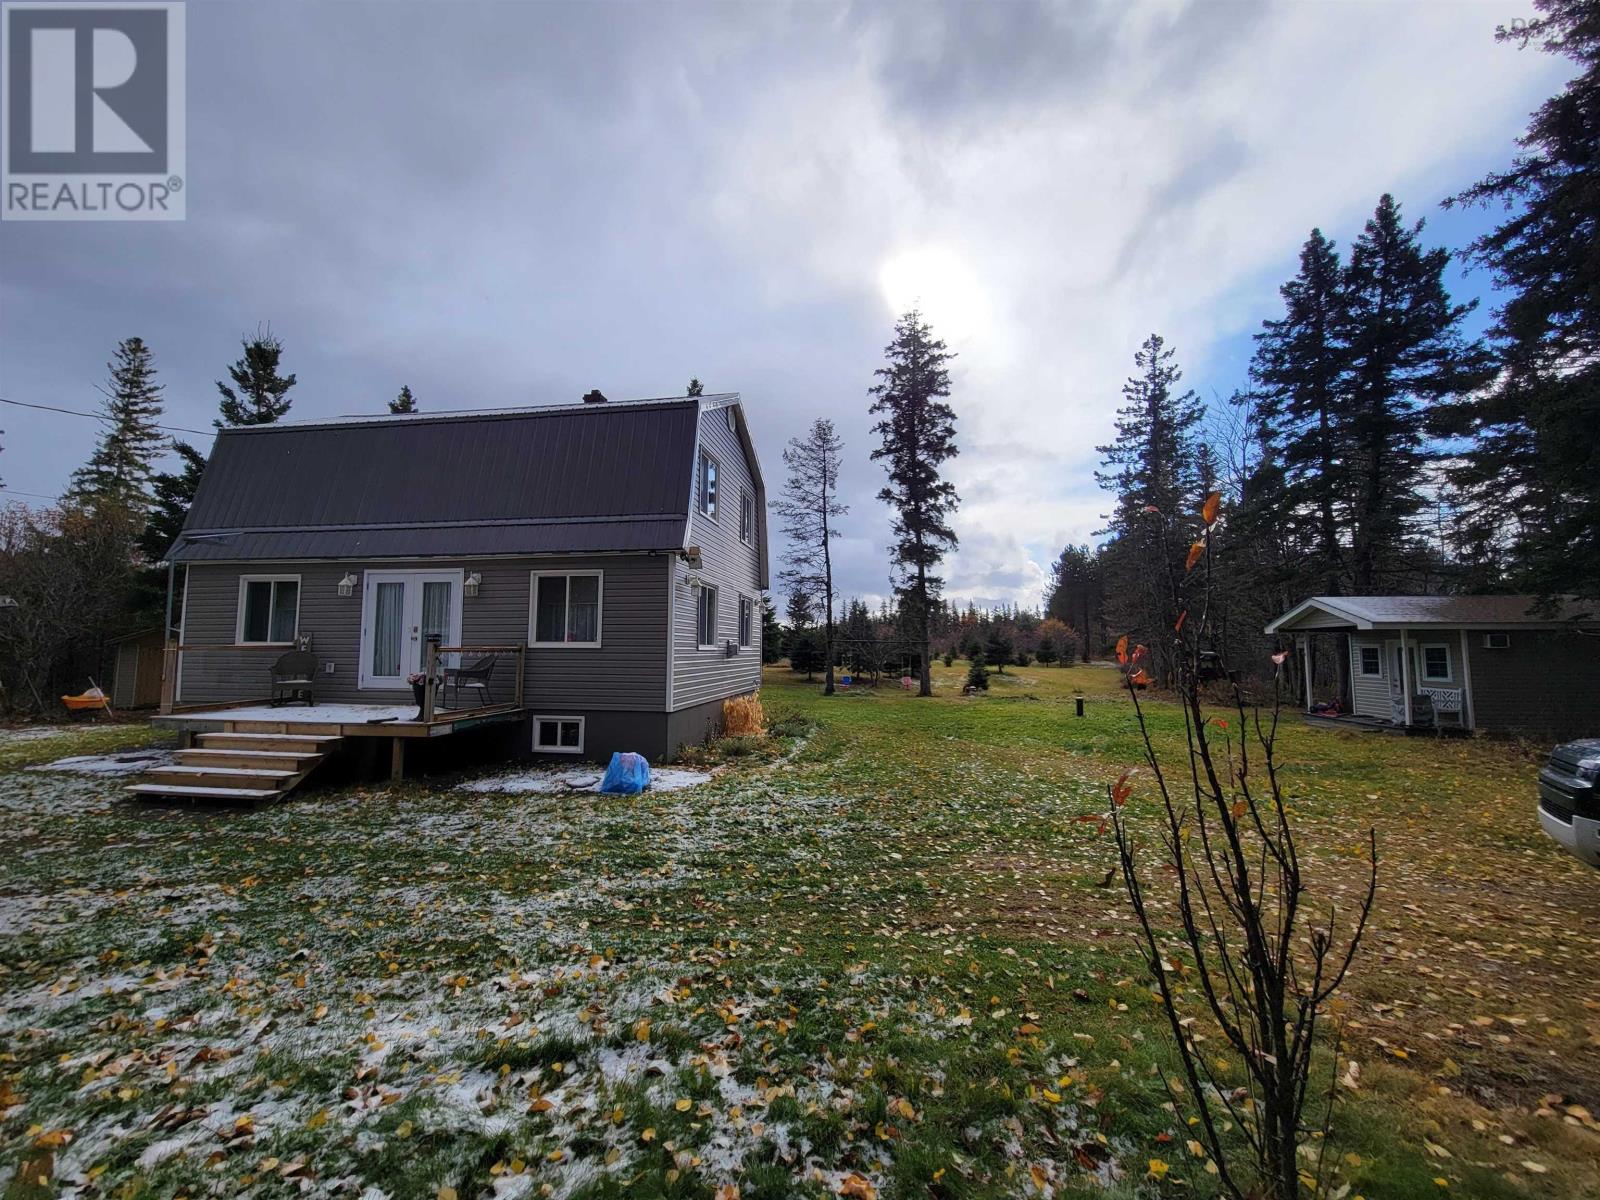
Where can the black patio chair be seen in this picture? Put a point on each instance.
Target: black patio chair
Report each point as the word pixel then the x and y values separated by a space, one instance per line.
pixel 476 676
pixel 294 676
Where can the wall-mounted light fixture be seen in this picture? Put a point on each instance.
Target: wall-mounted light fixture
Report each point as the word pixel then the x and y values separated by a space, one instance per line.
pixel 347 585
pixel 470 584
pixel 693 580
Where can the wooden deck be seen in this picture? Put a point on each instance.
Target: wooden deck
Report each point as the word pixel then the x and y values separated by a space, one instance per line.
pixel 334 722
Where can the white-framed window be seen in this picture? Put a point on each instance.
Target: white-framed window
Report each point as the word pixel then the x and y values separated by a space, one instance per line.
pixel 708 471
pixel 1371 660
pixel 746 616
pixel 1436 662
pixel 1497 641
pixel 558 735
pixel 747 518
pixel 269 610
pixel 706 617
pixel 564 608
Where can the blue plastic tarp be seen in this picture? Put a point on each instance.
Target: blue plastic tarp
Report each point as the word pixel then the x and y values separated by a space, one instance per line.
pixel 627 775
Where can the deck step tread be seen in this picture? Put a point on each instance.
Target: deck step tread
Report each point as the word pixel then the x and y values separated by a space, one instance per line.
pixel 226 772
pixel 216 793
pixel 265 758
pixel 270 737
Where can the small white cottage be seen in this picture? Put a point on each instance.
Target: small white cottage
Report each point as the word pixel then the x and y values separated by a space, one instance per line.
pixel 1497 664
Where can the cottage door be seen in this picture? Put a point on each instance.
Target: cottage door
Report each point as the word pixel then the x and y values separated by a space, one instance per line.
pixel 399 611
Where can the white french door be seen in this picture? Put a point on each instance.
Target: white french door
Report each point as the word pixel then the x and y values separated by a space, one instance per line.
pixel 399 610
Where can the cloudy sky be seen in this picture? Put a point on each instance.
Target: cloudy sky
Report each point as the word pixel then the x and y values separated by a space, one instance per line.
pixel 511 203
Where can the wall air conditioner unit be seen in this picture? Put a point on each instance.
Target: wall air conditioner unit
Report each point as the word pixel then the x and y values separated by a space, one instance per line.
pixel 1497 641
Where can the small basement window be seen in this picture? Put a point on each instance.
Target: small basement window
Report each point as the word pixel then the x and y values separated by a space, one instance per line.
pixel 269 610
pixel 1497 641
pixel 1371 661
pixel 558 735
pixel 1436 662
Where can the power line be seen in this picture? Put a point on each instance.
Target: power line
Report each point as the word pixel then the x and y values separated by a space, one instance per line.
pixel 10 491
pixel 72 412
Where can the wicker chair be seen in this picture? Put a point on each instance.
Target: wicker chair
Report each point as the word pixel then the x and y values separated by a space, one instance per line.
pixel 476 676
pixel 294 676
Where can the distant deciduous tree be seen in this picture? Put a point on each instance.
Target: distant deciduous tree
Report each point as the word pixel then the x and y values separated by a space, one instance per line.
pixel 809 510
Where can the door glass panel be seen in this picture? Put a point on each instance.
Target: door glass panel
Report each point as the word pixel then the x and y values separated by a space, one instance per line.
pixel 436 610
pixel 551 617
pixel 285 607
pixel 388 621
pixel 583 617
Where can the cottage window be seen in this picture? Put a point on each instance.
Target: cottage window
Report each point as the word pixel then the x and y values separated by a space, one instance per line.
pixel 706 617
pixel 566 608
pixel 558 735
pixel 708 485
pixel 747 518
pixel 745 614
pixel 269 610
pixel 1371 661
pixel 1436 662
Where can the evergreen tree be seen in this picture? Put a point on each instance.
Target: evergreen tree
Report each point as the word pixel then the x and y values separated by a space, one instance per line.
pixel 1075 593
pixel 119 471
pixel 799 610
pixel 809 509
pixel 1404 353
pixel 805 651
pixel 404 403
pixel 978 673
pixel 1151 468
pixel 259 395
pixel 1047 650
pixel 771 632
pixel 696 388
pixel 998 647
pixel 918 434
pixel 1298 373
pixel 173 494
pixel 1532 473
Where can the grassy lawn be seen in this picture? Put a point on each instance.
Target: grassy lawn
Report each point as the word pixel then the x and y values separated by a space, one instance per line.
pixel 874 956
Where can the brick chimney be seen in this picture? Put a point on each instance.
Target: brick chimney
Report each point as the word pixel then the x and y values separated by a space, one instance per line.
pixel 594 397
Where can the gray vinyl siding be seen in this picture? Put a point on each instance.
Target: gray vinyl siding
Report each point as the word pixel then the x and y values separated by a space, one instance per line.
pixel 1370 693
pixel 728 564
pixel 627 671
pixel 1541 686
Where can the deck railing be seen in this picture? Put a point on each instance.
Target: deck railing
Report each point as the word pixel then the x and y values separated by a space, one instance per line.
pixel 435 676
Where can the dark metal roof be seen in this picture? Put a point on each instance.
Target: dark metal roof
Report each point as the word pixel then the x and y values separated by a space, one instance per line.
pixel 597 477
pixel 1333 613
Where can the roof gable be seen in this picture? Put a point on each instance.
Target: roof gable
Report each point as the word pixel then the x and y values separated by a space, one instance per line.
pixel 1334 613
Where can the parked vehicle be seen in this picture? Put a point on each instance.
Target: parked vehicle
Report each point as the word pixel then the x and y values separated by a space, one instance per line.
pixel 1569 805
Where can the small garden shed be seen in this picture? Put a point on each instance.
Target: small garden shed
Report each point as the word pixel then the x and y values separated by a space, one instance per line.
pixel 1499 664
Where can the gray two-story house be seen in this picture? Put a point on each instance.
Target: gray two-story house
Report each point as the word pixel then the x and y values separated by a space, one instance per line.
pixel 619 547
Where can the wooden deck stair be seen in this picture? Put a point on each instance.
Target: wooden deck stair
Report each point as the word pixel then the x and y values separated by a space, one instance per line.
pixel 250 767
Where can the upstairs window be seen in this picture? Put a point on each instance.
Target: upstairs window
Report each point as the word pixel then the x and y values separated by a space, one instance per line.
pixel 269 610
pixel 708 485
pixel 706 617
pixel 747 518
pixel 566 609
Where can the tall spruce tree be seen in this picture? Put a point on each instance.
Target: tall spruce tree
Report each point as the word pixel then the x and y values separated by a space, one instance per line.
pixel 1075 594
pixel 1297 375
pixel 1404 353
pixel 809 509
pixel 404 403
pixel 259 394
pixel 917 431
pixel 695 388
pixel 1150 467
pixel 771 631
pixel 1532 473
pixel 118 473
pixel 173 492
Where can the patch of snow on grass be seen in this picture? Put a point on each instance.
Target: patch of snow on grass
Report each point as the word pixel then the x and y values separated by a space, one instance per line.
pixel 545 781
pixel 131 762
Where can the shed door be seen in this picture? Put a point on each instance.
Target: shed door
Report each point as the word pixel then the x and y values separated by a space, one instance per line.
pixel 125 688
